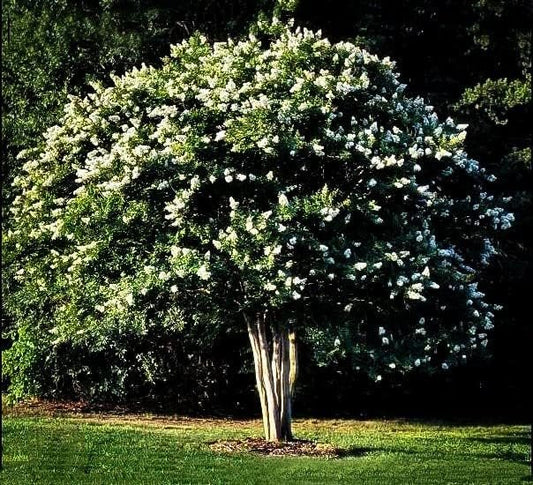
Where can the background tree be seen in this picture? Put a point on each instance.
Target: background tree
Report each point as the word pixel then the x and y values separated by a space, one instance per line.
pixel 281 181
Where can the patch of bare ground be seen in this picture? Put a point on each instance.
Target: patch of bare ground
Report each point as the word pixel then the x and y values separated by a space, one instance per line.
pixel 45 408
pixel 111 414
pixel 63 408
pixel 260 446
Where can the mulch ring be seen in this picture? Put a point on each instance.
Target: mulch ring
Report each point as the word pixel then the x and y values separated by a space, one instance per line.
pixel 260 446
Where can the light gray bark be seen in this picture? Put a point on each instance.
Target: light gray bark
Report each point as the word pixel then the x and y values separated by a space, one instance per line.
pixel 254 341
pixel 275 371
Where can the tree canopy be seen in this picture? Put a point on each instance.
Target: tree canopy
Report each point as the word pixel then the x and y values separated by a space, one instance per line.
pixel 279 177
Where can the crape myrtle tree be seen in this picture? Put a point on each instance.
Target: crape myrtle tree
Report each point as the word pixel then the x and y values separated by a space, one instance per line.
pixel 281 182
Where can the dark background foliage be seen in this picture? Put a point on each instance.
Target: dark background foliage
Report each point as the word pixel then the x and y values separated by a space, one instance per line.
pixel 469 59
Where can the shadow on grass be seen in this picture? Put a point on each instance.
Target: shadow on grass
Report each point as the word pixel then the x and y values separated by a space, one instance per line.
pixel 506 454
pixel 358 452
pixel 511 456
pixel 515 439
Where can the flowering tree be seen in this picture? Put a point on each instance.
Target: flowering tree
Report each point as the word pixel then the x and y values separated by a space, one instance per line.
pixel 282 180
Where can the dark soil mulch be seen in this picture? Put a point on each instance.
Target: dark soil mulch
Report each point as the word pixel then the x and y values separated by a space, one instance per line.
pixel 262 447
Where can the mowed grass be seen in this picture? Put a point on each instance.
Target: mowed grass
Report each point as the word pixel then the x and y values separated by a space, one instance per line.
pixel 150 450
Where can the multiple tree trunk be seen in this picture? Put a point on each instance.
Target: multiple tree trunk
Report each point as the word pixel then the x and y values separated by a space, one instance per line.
pixel 275 370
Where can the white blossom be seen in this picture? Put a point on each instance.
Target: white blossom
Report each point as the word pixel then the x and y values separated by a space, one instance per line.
pixel 282 199
pixel 203 273
pixel 233 203
pixel 318 149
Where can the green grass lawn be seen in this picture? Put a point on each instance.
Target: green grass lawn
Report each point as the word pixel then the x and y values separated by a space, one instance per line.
pixel 147 450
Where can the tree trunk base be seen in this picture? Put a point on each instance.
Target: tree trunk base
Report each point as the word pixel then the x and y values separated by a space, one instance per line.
pixel 275 371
